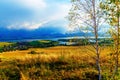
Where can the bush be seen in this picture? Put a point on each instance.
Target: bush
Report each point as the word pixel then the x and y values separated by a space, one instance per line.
pixel 32 52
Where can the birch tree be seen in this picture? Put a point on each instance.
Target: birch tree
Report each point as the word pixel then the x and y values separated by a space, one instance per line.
pixel 87 15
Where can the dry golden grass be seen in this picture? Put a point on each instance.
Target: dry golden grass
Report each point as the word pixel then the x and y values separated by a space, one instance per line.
pixel 65 62
pixel 76 52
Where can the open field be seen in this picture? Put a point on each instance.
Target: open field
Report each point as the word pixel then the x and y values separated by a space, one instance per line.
pixel 54 63
pixel 4 43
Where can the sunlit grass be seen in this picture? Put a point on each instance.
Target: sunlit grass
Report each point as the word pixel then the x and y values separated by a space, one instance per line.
pixel 61 62
pixel 4 43
pixel 44 41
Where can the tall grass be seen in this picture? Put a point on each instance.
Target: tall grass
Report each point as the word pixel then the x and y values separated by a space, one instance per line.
pixel 57 63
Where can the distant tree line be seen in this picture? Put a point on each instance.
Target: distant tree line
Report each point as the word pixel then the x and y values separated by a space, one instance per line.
pixel 38 44
pixel 81 42
pixel 27 45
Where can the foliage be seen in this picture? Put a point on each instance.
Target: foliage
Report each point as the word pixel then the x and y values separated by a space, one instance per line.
pixel 27 45
pixel 112 13
pixel 86 15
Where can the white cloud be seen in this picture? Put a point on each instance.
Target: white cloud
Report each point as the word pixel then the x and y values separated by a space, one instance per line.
pixel 27 25
pixel 52 14
pixel 58 17
pixel 61 12
pixel 33 4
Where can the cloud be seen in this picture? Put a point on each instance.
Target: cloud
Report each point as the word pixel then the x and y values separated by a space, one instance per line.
pixel 61 11
pixel 26 25
pixel 31 4
pixel 20 10
pixel 32 14
pixel 57 16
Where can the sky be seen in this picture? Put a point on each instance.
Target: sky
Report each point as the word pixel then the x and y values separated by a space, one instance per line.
pixel 34 14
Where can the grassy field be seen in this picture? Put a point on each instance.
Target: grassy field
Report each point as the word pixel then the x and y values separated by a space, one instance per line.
pixel 4 43
pixel 54 63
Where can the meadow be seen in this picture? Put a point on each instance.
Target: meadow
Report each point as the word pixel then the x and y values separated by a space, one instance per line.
pixel 54 63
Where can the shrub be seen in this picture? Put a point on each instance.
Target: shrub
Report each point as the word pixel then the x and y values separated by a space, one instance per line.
pixel 32 52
